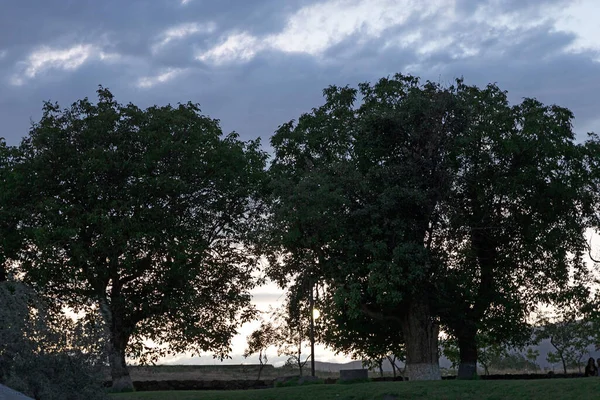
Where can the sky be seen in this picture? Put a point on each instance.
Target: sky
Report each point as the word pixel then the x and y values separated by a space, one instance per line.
pixel 255 64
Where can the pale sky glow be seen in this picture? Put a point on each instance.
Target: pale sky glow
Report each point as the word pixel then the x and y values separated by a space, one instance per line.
pixel 255 64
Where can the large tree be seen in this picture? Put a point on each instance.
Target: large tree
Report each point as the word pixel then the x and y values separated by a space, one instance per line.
pixel 513 224
pixel 433 205
pixel 357 193
pixel 144 215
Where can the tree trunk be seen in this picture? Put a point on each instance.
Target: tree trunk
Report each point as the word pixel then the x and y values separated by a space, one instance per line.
pixel 421 336
pixel 564 362
pixel 392 361
pixel 467 344
pixel 261 361
pixel 121 381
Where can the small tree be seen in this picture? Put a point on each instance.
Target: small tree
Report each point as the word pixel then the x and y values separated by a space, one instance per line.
pixel 393 359
pixel 570 339
pixel 287 330
pixel 532 356
pixel 450 350
pixel 369 336
pixel 374 363
pixel 259 341
pixel 488 351
pixel 569 329
pixel 292 336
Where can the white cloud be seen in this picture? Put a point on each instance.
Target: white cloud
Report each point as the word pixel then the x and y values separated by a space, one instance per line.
pixel 236 47
pixel 110 57
pixel 318 27
pixel 147 82
pixel 3 54
pixel 314 29
pixel 182 31
pixel 489 16
pixel 581 18
pixel 45 58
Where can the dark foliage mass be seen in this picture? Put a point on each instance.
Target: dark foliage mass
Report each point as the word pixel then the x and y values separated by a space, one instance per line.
pixel 146 215
pixel 45 354
pixel 406 208
pixel 428 206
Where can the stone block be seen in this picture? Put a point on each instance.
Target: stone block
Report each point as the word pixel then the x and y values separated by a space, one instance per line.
pixel 354 374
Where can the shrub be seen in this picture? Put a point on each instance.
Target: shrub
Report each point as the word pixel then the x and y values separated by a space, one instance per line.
pixel 44 353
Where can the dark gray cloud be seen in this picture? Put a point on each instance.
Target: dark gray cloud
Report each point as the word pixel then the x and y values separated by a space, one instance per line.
pixel 513 43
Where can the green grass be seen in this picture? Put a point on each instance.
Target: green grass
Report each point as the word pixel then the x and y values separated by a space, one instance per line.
pixel 545 389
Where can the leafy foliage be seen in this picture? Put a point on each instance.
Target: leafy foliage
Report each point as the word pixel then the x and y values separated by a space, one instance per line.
pixel 356 198
pixel 512 228
pixel 146 214
pixel 45 354
pixel 425 200
pixel 570 329
pixel 10 197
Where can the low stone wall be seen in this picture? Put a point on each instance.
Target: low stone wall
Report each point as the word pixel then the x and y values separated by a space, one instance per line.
pixel 354 374
pixel 521 376
pixel 145 386
pixel 389 379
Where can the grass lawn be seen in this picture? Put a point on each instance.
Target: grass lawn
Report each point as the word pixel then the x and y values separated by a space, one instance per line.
pixel 543 389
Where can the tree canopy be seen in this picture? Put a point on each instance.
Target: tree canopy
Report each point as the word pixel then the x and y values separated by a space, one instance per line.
pixel 357 191
pixel 145 215
pixel 433 206
pixel 513 225
pixel 411 206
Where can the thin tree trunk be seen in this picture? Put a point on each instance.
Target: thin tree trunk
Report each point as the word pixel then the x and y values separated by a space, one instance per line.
pixel 392 361
pixel 421 336
pixel 261 362
pixel 467 344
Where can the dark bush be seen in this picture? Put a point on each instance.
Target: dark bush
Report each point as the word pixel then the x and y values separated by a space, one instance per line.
pixel 44 353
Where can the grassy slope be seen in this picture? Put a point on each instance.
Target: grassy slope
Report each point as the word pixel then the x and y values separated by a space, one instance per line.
pixel 576 389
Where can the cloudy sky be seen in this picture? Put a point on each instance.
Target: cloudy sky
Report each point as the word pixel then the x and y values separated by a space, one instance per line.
pixel 255 64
